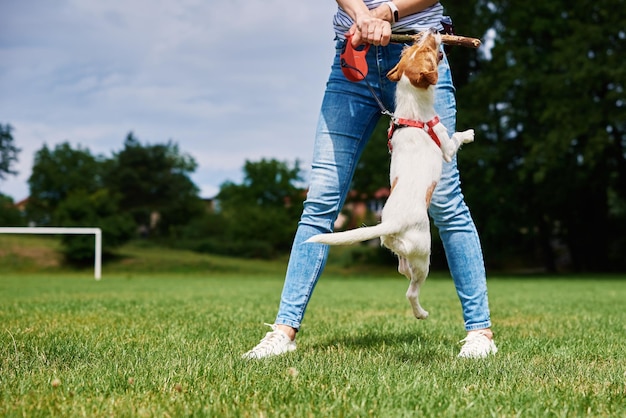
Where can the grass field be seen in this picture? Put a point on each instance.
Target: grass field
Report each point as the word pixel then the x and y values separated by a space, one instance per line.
pixel 168 341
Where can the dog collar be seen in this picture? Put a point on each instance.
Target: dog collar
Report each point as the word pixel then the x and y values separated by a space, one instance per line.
pixel 399 123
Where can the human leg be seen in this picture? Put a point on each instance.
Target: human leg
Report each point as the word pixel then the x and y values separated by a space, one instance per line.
pixel 456 226
pixel 462 247
pixel 347 118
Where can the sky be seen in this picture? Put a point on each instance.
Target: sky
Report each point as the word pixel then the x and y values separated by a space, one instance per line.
pixel 227 81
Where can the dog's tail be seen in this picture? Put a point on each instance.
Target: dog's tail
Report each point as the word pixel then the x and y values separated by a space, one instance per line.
pixel 356 235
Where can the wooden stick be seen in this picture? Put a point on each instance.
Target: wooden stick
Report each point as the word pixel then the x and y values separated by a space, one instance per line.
pixel 445 39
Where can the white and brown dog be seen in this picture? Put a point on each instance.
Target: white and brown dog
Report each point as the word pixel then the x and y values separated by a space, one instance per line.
pixel 420 143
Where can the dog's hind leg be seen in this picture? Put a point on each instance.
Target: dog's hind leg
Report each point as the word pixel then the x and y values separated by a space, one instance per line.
pixel 403 267
pixel 416 277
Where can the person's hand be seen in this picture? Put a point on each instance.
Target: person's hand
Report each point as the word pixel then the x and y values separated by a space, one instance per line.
pixel 371 30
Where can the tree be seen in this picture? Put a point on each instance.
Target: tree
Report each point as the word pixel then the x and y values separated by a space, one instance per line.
pixel 153 180
pixel 266 183
pixel 9 214
pixel 8 151
pixel 57 173
pixel 67 189
pixel 101 208
pixel 546 176
pixel 548 166
pixel 260 215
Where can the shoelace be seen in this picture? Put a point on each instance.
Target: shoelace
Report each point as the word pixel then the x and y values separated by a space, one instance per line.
pixel 474 343
pixel 473 338
pixel 271 339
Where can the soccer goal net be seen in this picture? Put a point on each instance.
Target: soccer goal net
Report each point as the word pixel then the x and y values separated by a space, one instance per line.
pixel 97 232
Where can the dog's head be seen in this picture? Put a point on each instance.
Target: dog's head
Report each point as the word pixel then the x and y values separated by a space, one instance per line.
pixel 419 62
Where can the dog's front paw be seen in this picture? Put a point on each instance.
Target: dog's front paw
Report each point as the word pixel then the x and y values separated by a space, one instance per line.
pixel 466 137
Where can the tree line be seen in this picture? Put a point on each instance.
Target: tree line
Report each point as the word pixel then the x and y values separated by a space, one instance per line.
pixel 145 191
pixel 548 173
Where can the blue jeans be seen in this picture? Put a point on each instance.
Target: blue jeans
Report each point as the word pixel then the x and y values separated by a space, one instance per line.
pixel 348 117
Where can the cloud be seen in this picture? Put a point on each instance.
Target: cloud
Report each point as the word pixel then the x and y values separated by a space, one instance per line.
pixel 228 81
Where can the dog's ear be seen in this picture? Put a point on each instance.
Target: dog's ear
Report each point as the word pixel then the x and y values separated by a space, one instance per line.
pixel 426 79
pixel 394 74
pixel 421 79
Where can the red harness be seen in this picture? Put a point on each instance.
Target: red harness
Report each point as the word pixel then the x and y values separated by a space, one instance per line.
pixel 408 123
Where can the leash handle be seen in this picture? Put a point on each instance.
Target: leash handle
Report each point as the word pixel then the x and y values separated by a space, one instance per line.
pixel 353 62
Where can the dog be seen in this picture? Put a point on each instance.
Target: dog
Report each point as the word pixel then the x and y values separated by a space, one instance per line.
pixel 418 143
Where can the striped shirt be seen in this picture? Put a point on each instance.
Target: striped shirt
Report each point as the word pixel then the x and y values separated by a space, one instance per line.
pixel 426 19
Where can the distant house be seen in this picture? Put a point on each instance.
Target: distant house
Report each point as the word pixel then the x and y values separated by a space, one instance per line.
pixel 21 205
pixel 361 209
pixel 358 209
pixel 210 204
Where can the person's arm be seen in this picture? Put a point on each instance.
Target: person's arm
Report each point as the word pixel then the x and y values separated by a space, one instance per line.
pixel 374 26
pixel 405 8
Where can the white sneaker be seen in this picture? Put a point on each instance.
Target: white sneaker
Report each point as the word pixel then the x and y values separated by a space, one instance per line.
pixel 274 343
pixel 477 345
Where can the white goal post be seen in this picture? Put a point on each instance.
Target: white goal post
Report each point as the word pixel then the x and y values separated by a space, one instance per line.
pixel 97 270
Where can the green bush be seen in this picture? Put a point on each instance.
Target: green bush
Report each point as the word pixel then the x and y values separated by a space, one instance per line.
pixel 9 214
pixel 98 209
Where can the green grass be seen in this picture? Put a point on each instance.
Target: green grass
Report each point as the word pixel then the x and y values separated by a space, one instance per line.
pixel 168 343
